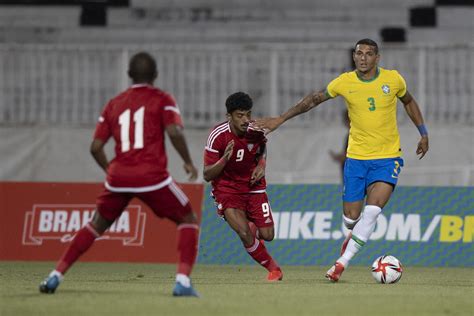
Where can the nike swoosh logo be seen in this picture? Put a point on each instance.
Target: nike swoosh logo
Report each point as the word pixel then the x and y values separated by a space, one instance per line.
pixel 395 177
pixel 352 91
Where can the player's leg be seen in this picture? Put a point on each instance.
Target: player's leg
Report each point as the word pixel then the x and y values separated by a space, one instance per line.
pixel 350 218
pixel 354 189
pixel 109 207
pixel 237 220
pixel 382 182
pixel 355 172
pixel 382 179
pixel 171 202
pixel 378 195
pixel 260 213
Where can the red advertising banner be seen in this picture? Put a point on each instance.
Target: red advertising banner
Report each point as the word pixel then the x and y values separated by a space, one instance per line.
pixel 38 220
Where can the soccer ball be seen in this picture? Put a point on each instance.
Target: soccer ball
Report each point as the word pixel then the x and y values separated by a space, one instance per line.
pixel 387 269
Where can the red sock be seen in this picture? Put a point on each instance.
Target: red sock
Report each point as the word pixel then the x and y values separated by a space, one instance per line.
pixel 260 254
pixel 188 235
pixel 82 241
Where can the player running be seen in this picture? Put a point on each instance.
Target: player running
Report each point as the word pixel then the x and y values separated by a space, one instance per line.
pixel 137 119
pixel 234 160
pixel 374 160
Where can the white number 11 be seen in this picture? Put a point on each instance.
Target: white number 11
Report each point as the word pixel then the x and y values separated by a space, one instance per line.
pixel 124 121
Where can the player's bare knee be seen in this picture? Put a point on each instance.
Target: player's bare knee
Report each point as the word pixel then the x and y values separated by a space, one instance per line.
pixel 267 234
pixel 246 236
pixel 352 213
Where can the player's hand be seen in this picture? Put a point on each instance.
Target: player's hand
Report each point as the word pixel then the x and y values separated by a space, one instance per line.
pixel 267 124
pixel 257 174
pixel 337 157
pixel 191 171
pixel 229 149
pixel 423 146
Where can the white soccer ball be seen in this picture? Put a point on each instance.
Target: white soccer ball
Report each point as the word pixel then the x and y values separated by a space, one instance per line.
pixel 387 269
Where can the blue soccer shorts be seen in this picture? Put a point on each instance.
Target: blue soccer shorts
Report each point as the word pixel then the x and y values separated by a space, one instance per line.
pixel 359 174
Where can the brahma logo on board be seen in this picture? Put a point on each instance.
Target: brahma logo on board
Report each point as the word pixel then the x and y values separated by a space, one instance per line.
pixel 62 221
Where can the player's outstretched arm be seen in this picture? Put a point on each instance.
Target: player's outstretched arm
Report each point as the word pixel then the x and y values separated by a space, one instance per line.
pixel 413 111
pixel 304 105
pixel 97 151
pixel 175 133
pixel 259 172
pixel 213 171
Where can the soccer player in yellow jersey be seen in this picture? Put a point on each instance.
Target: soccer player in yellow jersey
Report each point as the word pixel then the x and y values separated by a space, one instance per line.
pixel 373 154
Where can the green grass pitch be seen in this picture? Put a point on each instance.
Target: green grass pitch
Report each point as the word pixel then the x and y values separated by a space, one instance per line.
pixel 145 289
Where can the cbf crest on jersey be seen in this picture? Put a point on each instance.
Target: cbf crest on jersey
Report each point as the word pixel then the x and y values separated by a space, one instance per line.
pixel 386 89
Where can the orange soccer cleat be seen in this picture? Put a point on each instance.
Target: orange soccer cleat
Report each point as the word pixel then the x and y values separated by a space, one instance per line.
pixel 275 275
pixel 335 272
pixel 346 241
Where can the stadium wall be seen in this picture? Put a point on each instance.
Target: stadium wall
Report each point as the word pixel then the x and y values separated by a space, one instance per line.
pixel 426 226
pixel 429 226
pixel 295 155
pixel 39 219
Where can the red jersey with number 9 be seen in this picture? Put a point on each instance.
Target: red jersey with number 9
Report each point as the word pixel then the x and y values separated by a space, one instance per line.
pixel 235 178
pixel 137 119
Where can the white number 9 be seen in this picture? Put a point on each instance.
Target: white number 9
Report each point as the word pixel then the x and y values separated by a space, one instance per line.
pixel 240 155
pixel 266 209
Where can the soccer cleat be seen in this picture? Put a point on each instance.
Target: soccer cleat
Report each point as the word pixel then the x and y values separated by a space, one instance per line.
pixel 275 275
pixel 335 272
pixel 181 290
pixel 346 241
pixel 51 283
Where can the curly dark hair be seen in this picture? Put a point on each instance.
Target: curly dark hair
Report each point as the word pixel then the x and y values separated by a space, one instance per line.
pixel 238 101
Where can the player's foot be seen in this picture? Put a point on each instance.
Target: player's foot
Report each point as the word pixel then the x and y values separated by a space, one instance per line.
pixel 275 275
pixel 181 290
pixel 335 272
pixel 346 241
pixel 50 284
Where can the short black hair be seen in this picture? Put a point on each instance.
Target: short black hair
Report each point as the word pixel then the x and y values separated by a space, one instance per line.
pixel 238 101
pixel 368 41
pixel 142 68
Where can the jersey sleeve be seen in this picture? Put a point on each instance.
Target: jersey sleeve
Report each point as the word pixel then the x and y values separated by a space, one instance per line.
pixel 213 149
pixel 171 113
pixel 402 90
pixel 103 130
pixel 255 136
pixel 332 89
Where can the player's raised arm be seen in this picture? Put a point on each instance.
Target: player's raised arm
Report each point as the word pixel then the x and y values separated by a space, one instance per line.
pixel 175 133
pixel 304 105
pixel 212 171
pixel 413 111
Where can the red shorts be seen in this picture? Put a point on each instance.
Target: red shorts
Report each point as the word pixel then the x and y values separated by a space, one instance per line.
pixel 255 205
pixel 169 202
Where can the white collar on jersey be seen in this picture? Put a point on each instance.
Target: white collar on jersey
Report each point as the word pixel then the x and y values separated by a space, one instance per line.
pixel 141 85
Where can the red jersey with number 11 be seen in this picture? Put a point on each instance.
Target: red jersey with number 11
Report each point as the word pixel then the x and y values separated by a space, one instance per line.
pixel 136 119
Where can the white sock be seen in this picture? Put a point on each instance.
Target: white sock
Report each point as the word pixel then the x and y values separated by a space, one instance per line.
pixel 58 274
pixel 183 279
pixel 361 233
pixel 349 222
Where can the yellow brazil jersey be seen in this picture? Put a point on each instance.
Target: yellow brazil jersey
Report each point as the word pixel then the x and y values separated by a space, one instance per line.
pixel 372 106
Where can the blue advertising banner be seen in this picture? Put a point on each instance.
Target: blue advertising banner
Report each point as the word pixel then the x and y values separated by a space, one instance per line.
pixel 429 226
